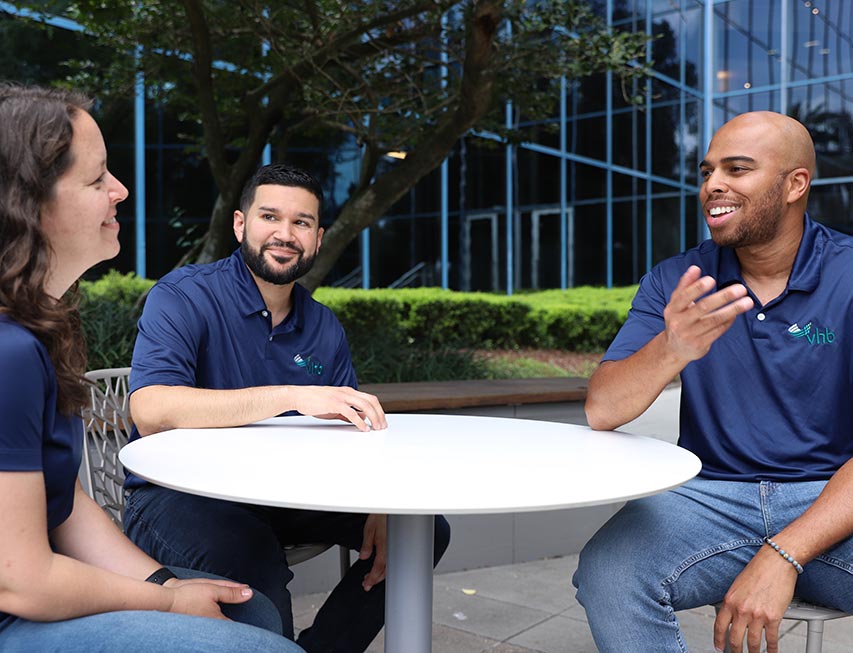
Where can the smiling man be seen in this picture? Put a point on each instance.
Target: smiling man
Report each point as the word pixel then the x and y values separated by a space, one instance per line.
pixel 754 321
pixel 234 342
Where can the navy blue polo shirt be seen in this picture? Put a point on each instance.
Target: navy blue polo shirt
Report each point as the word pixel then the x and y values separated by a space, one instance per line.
pixel 206 326
pixel 772 398
pixel 34 435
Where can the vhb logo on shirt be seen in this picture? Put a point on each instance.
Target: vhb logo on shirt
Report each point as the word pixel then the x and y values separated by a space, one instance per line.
pixel 812 336
pixel 310 365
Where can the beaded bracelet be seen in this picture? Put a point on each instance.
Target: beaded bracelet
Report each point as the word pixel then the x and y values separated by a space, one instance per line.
pixel 784 554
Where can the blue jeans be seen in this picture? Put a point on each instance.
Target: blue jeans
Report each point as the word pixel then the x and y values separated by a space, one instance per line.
pixel 244 542
pixel 683 549
pixel 143 631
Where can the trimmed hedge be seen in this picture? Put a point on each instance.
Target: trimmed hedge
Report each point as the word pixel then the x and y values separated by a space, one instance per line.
pixel 108 312
pixel 399 334
pixel 580 319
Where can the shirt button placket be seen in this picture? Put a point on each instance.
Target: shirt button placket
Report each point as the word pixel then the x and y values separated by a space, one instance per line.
pixel 266 314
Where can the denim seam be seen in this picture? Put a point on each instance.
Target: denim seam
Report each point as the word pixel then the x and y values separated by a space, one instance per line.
pixel 673 619
pixel 764 491
pixel 835 562
pixel 707 553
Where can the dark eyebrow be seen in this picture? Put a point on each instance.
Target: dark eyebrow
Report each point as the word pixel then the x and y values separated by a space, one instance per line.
pixel 276 211
pixel 729 159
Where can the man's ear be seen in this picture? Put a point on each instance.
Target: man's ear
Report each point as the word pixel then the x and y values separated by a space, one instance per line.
pixel 799 180
pixel 319 238
pixel 239 225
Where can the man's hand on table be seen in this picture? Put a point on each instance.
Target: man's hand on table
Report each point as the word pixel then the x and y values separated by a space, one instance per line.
pixel 755 603
pixel 332 402
pixel 374 537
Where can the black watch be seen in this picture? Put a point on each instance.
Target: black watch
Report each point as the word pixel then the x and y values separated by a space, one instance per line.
pixel 160 576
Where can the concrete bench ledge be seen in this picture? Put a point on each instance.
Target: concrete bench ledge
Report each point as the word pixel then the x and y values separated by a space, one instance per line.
pixel 441 395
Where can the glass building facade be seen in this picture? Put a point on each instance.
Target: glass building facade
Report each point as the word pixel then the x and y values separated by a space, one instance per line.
pixel 612 187
pixel 597 195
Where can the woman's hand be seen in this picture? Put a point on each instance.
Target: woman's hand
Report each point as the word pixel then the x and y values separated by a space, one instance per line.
pixel 201 597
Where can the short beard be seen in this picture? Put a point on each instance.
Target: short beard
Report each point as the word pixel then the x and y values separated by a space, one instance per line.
pixel 761 225
pixel 254 259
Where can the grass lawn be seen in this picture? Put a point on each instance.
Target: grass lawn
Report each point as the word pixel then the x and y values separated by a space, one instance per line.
pixel 537 363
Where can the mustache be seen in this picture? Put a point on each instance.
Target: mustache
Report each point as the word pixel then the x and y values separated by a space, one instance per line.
pixel 294 247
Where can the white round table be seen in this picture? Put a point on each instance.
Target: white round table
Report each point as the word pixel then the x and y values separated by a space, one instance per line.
pixel 420 466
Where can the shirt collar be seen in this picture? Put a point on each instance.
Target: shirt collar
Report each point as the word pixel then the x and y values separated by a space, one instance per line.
pixel 246 294
pixel 805 274
pixel 249 300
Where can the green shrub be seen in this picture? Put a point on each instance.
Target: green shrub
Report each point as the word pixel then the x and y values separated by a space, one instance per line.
pixel 386 347
pixel 468 320
pixel 579 319
pixel 108 312
pixel 368 316
pixel 382 363
pixel 115 287
pixel 580 330
pixel 400 335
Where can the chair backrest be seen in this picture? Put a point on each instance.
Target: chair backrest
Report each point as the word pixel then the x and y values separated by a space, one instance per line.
pixel 107 428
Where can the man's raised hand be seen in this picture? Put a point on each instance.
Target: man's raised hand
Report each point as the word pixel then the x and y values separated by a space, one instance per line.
pixel 694 319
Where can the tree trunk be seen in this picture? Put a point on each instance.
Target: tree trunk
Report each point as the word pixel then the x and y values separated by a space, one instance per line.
pixel 218 242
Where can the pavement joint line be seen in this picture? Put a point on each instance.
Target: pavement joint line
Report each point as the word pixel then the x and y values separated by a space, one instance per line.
pixel 495 642
pixel 571 608
pixel 550 615
pixel 480 595
pixel 523 649
pixel 530 627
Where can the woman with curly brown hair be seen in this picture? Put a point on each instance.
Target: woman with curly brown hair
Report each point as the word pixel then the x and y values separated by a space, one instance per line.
pixel 69 579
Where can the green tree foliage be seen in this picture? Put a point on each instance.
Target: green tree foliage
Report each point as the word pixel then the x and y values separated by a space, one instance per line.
pixel 397 75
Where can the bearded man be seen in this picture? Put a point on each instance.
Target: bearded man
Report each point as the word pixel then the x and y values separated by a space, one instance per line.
pixel 234 342
pixel 755 321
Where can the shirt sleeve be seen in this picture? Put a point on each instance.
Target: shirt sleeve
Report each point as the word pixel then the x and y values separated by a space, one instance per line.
pixel 645 319
pixel 168 342
pixel 343 373
pixel 25 385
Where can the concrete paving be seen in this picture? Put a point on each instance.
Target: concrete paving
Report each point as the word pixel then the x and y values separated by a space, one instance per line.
pixel 531 608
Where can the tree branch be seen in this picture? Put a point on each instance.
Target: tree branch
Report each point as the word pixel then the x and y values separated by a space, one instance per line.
pixel 202 66
pixel 476 96
pixel 350 46
pixel 316 21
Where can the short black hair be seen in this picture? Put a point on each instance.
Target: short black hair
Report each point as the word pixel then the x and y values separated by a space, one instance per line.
pixel 280 174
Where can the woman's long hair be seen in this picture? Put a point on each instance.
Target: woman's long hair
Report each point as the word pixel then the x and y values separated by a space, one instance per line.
pixel 35 142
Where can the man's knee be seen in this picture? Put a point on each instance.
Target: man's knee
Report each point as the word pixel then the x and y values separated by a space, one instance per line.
pixel 598 568
pixel 619 556
pixel 215 536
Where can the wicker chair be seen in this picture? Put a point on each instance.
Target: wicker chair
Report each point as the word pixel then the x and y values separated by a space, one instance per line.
pixel 107 425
